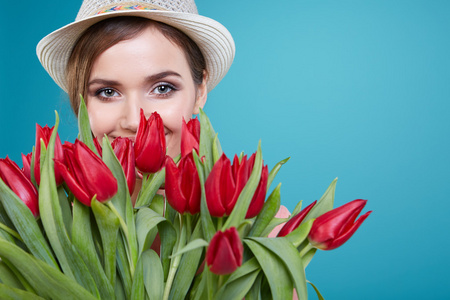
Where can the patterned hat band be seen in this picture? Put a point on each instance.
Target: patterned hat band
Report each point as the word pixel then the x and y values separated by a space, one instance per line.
pixel 129 6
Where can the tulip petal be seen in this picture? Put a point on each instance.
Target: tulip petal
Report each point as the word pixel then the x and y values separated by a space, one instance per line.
pixel 99 179
pixel 173 191
pixel 73 185
pixel 16 180
pixel 348 234
pixel 293 223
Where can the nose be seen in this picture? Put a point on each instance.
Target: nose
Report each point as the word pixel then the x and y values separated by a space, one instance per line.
pixel 131 115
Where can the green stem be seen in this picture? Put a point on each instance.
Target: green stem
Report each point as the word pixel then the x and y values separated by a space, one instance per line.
pixel 11 232
pixel 306 249
pixel 124 227
pixel 219 223
pixel 176 260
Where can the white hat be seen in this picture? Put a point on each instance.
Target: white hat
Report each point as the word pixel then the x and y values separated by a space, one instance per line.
pixel 212 38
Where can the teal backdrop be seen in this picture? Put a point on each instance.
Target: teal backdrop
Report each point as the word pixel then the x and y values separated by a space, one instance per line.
pixel 352 89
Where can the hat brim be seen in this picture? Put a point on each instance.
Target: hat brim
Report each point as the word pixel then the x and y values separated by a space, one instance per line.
pixel 213 39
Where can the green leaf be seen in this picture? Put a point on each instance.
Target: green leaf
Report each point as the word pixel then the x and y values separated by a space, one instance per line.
pixel 83 242
pixel 108 226
pixel 255 291
pixel 299 234
pixel 187 268
pixel 324 204
pixel 237 289
pixel 137 289
pixel 319 295
pixel 240 281
pixel 216 149
pixel 288 254
pixel 123 267
pixel 207 140
pixel 146 220
pixel 244 199
pixel 205 217
pixel 52 219
pixel 84 126
pixel 26 225
pixel 153 275
pixel 66 209
pixel 308 256
pixel 168 237
pixel 274 269
pixel 267 213
pixel 10 277
pixel 272 224
pixel 12 293
pixel 47 281
pixel 150 188
pixel 197 243
pixel 274 171
pixel 122 196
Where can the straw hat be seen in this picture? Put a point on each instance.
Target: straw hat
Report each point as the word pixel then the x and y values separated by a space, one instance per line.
pixel 213 38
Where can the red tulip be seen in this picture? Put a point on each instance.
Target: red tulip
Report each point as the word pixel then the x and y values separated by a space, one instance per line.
pixel 86 174
pixel 190 136
pixel 124 151
pixel 334 228
pixel 295 221
pixel 17 181
pixel 182 185
pixel 225 183
pixel 150 145
pixel 44 134
pixel 26 163
pixel 225 251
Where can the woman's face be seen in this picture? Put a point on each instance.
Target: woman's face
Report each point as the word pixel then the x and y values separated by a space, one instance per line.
pixel 147 72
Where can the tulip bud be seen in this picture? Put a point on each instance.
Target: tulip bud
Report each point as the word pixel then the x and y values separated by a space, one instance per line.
pixel 124 151
pixel 225 183
pixel 86 174
pixel 190 136
pixel 334 228
pixel 225 252
pixel 17 181
pixel 44 133
pixel 150 144
pixel 182 185
pixel 295 221
pixel 26 163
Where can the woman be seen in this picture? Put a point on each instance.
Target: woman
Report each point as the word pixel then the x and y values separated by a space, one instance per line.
pixel 123 56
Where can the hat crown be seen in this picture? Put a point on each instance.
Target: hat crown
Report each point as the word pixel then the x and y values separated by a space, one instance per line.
pixel 92 7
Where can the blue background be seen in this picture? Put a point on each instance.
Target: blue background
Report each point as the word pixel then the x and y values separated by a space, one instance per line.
pixel 352 89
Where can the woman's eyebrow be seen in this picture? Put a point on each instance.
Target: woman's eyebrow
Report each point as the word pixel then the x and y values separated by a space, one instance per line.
pixel 161 75
pixel 103 82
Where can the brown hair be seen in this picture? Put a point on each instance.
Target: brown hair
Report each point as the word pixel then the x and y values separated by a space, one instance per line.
pixel 105 34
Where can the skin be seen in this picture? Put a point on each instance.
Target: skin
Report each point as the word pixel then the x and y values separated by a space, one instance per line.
pixel 147 72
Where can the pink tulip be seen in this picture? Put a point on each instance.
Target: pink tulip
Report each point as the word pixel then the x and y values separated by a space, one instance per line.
pixel 86 174
pixel 334 228
pixel 17 181
pixel 150 145
pixel 182 185
pixel 225 252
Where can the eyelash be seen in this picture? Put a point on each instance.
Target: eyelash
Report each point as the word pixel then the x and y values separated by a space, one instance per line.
pixel 167 85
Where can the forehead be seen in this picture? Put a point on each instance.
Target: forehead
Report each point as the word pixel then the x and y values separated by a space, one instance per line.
pixel 148 52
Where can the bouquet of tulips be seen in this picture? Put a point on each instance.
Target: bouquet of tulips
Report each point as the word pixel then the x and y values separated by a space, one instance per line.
pixel 198 229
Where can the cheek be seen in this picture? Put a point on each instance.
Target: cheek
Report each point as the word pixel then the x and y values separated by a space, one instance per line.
pixel 101 121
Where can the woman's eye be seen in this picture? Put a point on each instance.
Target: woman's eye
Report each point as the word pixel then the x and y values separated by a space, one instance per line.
pixel 163 89
pixel 107 93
